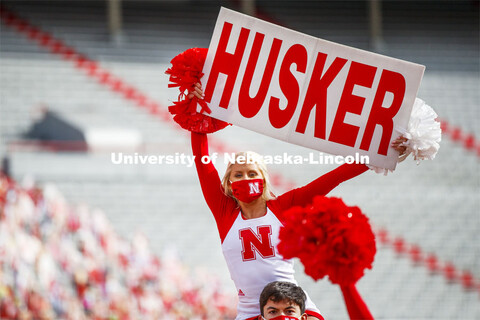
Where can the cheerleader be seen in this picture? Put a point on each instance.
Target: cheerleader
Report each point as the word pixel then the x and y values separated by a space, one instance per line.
pixel 248 218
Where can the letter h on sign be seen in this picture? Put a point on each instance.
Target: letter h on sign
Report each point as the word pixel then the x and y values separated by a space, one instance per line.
pixel 260 242
pixel 226 63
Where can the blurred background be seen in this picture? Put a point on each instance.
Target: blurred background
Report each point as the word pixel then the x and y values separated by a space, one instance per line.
pixel 84 238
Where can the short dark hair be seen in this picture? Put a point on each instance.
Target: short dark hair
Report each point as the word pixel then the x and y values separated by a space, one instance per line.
pixel 280 291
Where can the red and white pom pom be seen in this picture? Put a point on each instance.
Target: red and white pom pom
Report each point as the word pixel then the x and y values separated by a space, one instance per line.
pixel 330 238
pixel 185 72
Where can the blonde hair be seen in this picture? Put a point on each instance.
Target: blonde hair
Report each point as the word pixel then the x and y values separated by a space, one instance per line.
pixel 255 158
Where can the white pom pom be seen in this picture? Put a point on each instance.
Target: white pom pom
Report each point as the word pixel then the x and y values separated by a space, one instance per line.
pixel 423 132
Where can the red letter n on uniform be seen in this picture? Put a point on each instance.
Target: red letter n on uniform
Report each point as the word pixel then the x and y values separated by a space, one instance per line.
pixel 260 242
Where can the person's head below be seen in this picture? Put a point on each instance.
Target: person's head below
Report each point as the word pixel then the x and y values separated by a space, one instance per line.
pixel 246 178
pixel 282 300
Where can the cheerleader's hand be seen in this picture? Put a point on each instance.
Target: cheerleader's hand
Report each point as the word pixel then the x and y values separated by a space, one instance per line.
pixel 398 144
pixel 196 92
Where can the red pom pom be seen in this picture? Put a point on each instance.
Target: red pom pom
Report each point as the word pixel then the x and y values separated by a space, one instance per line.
pixel 185 72
pixel 330 238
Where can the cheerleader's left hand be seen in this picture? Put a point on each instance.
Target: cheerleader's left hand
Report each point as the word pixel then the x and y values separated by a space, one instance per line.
pixel 397 144
pixel 196 92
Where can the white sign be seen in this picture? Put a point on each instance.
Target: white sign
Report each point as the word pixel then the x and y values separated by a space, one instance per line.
pixel 308 91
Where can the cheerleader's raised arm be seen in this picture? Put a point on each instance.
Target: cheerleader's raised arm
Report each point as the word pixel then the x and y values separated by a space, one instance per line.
pixel 219 203
pixel 321 186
